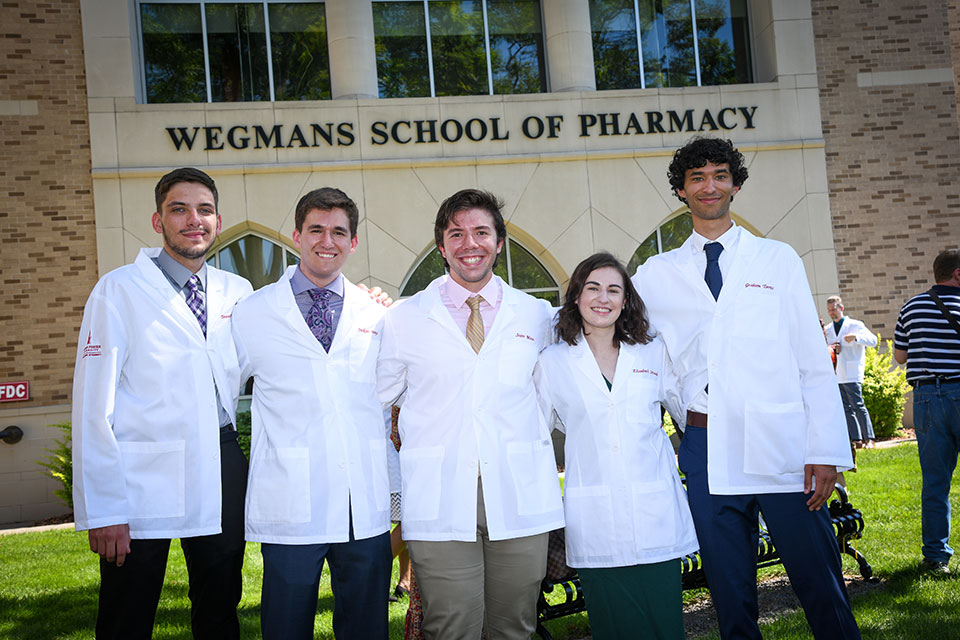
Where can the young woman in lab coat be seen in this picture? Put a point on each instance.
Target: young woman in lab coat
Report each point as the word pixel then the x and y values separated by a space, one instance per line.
pixel 626 511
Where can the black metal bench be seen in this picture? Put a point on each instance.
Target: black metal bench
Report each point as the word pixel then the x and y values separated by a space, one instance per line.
pixel 847 524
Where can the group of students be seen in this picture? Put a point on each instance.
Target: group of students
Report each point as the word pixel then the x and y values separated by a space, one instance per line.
pixel 720 332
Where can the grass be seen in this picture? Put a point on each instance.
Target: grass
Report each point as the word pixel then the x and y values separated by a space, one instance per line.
pixel 49 580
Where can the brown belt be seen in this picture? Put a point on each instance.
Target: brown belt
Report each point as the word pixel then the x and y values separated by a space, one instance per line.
pixel 695 419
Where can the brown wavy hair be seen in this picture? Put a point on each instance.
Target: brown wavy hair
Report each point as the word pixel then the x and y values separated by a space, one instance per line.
pixel 631 327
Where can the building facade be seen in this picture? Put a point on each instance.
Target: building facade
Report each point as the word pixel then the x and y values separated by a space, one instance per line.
pixel 567 109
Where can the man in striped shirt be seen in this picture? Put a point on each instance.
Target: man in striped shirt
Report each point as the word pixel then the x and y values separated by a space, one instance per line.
pixel 930 345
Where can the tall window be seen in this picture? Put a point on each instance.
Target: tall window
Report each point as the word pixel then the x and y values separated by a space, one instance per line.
pixel 458 47
pixel 516 266
pixel 213 51
pixel 257 259
pixel 670 43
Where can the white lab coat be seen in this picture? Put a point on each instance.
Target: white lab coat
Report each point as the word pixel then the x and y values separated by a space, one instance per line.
pixel 146 447
pixel 623 500
pixel 774 404
pixel 852 358
pixel 319 446
pixel 463 409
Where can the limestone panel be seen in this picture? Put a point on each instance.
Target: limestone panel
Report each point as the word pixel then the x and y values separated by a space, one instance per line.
pixel 557 196
pixel 794 228
pixel 775 186
pixel 143 139
pixel 107 202
pixel 794 41
pixel 110 250
pixel 103 140
pixel 574 244
pixel 401 206
pixel 609 236
pixel 109 64
pixel 389 260
pixel 623 193
pixel 509 181
pixel 110 18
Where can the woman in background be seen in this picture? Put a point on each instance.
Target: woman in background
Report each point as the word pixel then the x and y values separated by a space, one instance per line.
pixel 626 510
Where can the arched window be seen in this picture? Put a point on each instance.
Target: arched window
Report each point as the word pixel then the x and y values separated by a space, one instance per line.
pixel 259 260
pixel 670 235
pixel 517 267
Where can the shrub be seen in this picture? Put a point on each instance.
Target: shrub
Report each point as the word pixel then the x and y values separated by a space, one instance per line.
pixel 884 391
pixel 243 432
pixel 59 464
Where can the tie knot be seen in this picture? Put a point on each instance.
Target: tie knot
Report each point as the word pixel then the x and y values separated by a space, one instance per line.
pixel 193 284
pixel 320 294
pixel 713 250
pixel 474 302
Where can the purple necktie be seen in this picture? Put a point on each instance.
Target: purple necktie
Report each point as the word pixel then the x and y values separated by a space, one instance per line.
pixel 320 317
pixel 195 301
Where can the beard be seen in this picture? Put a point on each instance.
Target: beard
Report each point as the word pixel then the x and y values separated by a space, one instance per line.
pixel 188 251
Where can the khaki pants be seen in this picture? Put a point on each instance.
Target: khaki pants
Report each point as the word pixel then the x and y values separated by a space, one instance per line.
pixel 467 586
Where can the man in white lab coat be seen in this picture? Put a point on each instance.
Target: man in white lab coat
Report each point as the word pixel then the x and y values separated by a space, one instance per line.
pixel 849 338
pixel 318 487
pixel 764 424
pixel 155 453
pixel 480 487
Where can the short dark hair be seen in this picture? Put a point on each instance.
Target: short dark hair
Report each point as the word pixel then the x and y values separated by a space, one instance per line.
pixel 631 327
pixel 327 199
pixel 462 201
pixel 184 174
pixel 697 153
pixel 945 264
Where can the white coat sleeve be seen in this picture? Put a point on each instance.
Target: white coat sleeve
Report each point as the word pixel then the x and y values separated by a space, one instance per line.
pixel 99 484
pixel 391 370
pixel 236 323
pixel 547 410
pixel 866 337
pixel 827 439
pixel 393 456
pixel 670 393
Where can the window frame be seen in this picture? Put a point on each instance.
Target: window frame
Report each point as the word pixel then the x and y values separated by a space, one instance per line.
pixel 486 45
pixel 213 256
pixel 696 44
pixel 141 62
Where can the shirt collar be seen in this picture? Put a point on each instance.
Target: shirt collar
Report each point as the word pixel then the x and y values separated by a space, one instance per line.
pixel 458 294
pixel 177 273
pixel 301 283
pixel 728 239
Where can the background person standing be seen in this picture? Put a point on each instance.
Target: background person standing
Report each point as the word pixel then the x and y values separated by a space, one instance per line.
pixel 927 339
pixel 849 337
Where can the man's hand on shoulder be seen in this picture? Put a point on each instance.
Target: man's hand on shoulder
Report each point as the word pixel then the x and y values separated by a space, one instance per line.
pixel 111 543
pixel 826 478
pixel 377 294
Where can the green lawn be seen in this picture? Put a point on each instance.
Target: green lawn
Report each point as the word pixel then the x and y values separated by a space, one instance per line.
pixel 48 581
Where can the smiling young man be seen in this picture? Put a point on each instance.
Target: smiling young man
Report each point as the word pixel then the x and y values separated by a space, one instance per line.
pixel 318 488
pixel 154 399
pixel 764 423
pixel 480 489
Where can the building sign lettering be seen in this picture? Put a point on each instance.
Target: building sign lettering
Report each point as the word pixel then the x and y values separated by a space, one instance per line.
pixel 452 130
pixel 14 391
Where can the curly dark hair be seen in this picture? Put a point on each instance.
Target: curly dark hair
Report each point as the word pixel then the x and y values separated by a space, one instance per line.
pixel 697 153
pixel 631 327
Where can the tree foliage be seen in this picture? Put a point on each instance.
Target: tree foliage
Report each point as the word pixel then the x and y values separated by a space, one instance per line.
pixel 59 463
pixel 884 391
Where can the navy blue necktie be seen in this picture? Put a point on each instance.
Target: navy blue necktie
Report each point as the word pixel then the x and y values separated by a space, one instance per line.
pixel 712 274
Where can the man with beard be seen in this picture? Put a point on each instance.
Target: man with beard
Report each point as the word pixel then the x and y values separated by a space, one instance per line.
pixel 764 423
pixel 154 402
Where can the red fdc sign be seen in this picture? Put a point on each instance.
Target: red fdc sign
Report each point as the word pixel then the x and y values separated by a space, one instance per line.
pixel 14 391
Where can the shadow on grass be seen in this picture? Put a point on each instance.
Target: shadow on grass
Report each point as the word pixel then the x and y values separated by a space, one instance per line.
pixel 63 613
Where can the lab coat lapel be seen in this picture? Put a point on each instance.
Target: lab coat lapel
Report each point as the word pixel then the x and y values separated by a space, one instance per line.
pixel 692 271
pixel 733 283
pixel 437 312
pixel 625 365
pixel 166 297
pixel 505 314
pixel 286 306
pixel 586 365
pixel 352 298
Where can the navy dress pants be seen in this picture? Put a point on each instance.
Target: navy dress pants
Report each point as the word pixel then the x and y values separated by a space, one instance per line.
pixel 359 576
pixel 727 528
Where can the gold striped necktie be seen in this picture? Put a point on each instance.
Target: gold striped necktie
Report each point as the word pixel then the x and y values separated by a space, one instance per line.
pixel 475 323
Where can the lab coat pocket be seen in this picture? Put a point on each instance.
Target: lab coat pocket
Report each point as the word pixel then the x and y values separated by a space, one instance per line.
pixel 588 512
pixel 420 469
pixel 281 490
pixel 518 356
pixel 155 478
pixel 379 480
pixel 654 515
pixel 757 314
pixel 363 356
pixel 774 438
pixel 527 461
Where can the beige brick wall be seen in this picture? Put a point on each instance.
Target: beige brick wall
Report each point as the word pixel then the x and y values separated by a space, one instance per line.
pixel 48 255
pixel 891 148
